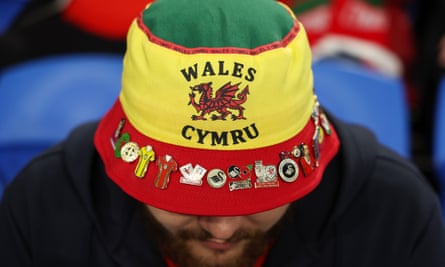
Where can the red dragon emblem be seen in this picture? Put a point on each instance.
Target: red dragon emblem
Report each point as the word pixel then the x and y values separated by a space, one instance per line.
pixel 221 103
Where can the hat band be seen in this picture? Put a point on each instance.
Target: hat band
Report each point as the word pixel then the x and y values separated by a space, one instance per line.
pixel 295 160
pixel 215 182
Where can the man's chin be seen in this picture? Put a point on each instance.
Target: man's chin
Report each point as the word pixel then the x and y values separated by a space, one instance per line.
pixel 219 246
pixel 209 253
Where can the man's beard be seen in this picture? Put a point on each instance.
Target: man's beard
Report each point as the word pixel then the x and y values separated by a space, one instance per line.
pixel 174 246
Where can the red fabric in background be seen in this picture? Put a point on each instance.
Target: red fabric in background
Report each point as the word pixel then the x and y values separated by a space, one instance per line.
pixel 106 18
pixel 387 24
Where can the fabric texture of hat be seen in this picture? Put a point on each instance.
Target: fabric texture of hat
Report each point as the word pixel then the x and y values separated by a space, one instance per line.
pixel 217 114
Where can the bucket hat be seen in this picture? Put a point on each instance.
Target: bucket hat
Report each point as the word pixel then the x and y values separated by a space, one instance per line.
pixel 217 113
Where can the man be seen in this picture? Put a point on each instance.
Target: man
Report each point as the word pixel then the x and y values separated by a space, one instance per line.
pixel 217 153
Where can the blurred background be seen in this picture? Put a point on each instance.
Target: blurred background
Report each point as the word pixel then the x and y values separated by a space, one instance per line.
pixel 379 63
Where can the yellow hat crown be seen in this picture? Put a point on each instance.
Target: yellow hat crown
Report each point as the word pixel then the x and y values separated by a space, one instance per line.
pixel 209 79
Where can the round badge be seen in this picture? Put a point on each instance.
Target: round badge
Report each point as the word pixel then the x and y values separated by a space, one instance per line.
pixel 234 171
pixel 130 152
pixel 296 152
pixel 288 170
pixel 216 178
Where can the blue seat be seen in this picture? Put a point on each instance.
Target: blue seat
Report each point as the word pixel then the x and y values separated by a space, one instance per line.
pixel 439 140
pixel 9 9
pixel 359 95
pixel 44 99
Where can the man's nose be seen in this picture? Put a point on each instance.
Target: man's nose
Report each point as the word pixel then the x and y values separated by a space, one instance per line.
pixel 220 227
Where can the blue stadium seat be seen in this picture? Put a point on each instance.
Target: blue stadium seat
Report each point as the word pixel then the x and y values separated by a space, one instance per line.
pixel 359 95
pixel 43 99
pixel 439 140
pixel 9 9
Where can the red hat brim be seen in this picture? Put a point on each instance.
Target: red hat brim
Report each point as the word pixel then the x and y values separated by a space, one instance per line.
pixel 183 198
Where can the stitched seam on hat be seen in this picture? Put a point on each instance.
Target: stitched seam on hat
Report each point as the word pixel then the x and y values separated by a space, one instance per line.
pixel 220 50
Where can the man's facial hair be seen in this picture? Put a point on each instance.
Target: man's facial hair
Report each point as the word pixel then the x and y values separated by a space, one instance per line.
pixel 174 246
